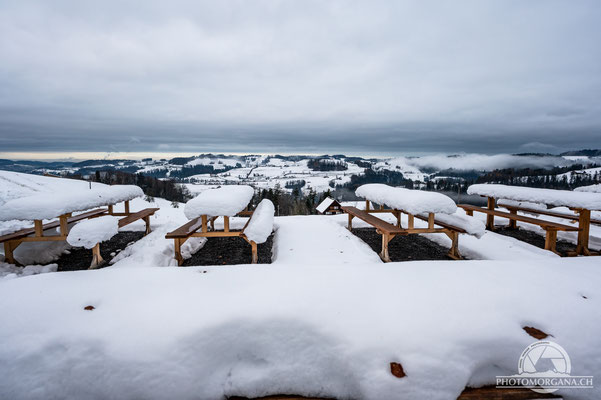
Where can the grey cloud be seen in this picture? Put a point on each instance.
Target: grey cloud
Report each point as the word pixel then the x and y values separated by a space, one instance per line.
pixel 394 76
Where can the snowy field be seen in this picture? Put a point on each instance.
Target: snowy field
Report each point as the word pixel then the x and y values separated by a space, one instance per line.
pixel 326 318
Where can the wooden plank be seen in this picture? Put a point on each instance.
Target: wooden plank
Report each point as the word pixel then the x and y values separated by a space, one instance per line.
pixel 147 212
pixel 217 234
pixel 543 223
pixel 372 220
pixel 443 224
pixel 572 217
pixel 430 220
pixel 411 219
pixel 127 206
pixel 185 230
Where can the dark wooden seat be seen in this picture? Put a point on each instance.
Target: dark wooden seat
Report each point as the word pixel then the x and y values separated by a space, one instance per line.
pixel 551 228
pixel 443 224
pixel 376 222
pixel 142 214
pixel 186 230
pixel 572 217
pixel 52 225
pixel 522 218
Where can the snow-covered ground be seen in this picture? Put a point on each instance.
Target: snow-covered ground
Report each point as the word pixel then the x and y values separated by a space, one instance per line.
pixel 326 318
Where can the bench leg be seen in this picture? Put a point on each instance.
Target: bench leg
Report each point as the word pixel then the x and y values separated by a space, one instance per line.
pixel 551 240
pixel 454 250
pixel 147 222
pixel 350 222
pixel 584 223
pixel 398 219
pixel 9 256
pixel 177 244
pixel 469 213
pixel 513 222
pixel 490 218
pixel 255 253
pixel 384 254
pixel 96 257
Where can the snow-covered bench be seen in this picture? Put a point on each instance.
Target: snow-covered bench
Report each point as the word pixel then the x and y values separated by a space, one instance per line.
pixel 436 209
pixel 225 202
pixel 582 203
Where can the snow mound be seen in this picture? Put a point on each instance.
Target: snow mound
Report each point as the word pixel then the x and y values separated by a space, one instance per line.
pixel 410 201
pixel 226 201
pixel 261 223
pixel 50 205
pixel 592 188
pixel 91 231
pixel 524 204
pixel 568 198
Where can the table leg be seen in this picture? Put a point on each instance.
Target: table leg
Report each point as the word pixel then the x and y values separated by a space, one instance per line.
pixel 490 219
pixel 584 223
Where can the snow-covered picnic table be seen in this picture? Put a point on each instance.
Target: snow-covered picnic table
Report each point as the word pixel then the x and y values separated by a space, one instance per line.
pixel 581 202
pixel 435 208
pixel 224 202
pixel 60 205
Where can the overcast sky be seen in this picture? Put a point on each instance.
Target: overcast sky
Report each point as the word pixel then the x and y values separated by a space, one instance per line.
pixel 300 76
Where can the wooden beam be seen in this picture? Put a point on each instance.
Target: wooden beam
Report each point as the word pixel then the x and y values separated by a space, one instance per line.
pixel 350 222
pixel 43 238
pixel 584 223
pixel 411 221
pixel 177 244
pixel 39 227
pixel 226 223
pixel 430 220
pixel 366 205
pixel 551 240
pixel 384 253
pixel 204 223
pixel 490 218
pixel 513 222
pixel 127 207
pixel 147 222
pixel 8 252
pixel 64 225
pixel 96 257
pixel 255 253
pixel 110 209
pixel 216 234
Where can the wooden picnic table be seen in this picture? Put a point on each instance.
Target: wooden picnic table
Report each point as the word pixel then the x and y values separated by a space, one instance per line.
pixel 389 231
pixel 36 233
pixel 543 196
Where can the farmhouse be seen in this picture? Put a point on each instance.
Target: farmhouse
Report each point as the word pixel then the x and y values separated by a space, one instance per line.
pixel 329 206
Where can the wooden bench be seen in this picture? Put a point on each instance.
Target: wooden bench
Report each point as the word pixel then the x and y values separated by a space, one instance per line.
pixel 389 231
pixel 571 217
pixel 13 240
pixel 191 229
pixel 144 214
pixel 551 228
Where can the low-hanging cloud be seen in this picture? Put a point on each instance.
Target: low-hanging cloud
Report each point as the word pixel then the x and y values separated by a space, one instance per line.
pixel 351 75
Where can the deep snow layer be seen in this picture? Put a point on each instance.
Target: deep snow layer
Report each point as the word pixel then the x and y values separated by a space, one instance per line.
pixel 320 330
pixel 226 200
pixel 408 200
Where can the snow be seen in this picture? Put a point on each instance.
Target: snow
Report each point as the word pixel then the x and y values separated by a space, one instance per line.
pixel 590 201
pixel 313 330
pixel 88 233
pixel 223 201
pixel 410 201
pixel 471 225
pixel 51 197
pixel 591 188
pixel 324 204
pixel 9 271
pixel 261 223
